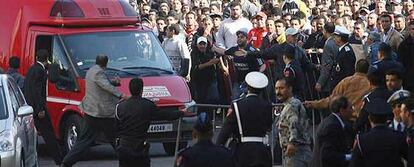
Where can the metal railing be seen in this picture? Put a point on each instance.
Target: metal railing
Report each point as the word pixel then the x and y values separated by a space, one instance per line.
pixel 277 108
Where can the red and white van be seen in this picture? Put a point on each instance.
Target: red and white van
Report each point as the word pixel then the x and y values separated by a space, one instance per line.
pixel 74 32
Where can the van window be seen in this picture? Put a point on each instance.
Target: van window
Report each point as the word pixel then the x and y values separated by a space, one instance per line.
pixel 44 42
pixel 59 67
pixel 130 52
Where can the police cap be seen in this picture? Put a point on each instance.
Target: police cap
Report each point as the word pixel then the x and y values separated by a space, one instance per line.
pixel 203 123
pixel 342 31
pixel 256 80
pixel 378 106
pixel 398 96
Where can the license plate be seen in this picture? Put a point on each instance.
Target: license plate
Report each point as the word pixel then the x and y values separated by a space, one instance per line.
pixel 160 128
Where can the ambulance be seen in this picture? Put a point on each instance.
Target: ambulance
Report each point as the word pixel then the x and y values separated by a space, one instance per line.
pixel 74 32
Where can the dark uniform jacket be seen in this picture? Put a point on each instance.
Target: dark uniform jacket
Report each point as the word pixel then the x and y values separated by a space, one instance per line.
pixel 256 120
pixel 381 146
pixel 315 40
pixel 333 141
pixel 294 72
pixel 410 142
pixel 380 67
pixel 134 116
pixel 362 124
pixel 205 154
pixel 406 51
pixel 343 65
pixel 35 88
pixel 276 53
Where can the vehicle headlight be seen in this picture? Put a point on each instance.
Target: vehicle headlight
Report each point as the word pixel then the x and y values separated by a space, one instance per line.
pixel 191 106
pixel 6 141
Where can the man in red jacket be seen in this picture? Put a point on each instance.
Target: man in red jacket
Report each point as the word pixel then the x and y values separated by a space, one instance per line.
pixel 255 36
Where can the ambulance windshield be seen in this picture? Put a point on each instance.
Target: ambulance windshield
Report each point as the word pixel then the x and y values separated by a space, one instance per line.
pixel 131 52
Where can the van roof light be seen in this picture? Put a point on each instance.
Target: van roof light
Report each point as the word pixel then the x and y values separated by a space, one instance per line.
pixel 66 8
pixel 127 8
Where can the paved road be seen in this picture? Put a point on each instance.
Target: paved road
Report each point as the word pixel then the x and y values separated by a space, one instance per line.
pixel 104 156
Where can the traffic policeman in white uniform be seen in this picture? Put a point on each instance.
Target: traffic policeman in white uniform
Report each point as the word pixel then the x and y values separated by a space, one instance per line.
pixel 248 121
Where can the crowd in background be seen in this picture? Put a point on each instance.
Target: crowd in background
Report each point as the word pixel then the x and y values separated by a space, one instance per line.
pixel 361 50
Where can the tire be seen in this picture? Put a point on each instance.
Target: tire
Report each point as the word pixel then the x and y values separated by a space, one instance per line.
pixel 169 147
pixel 71 131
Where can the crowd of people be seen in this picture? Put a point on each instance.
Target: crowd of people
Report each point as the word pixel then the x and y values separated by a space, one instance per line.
pixel 350 61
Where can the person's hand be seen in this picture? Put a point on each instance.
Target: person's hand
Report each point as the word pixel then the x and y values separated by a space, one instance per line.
pixel 116 81
pixel 186 113
pixel 318 87
pixel 300 43
pixel 240 53
pixel 308 104
pixel 124 97
pixel 318 67
pixel 290 150
pixel 320 51
pixel 214 61
pixel 41 114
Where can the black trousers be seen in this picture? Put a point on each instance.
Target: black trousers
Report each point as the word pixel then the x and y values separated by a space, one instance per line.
pixel 44 126
pixel 91 128
pixel 253 154
pixel 132 157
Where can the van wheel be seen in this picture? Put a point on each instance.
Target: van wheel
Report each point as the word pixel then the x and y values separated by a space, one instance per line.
pixel 71 131
pixel 169 147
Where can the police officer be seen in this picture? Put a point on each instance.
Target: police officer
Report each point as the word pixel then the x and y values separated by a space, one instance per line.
pixel 395 101
pixel 344 62
pixel 293 127
pixel 293 71
pixel 204 153
pixel 248 120
pixel 378 91
pixel 133 119
pixel 407 115
pixel 381 146
pixel 385 62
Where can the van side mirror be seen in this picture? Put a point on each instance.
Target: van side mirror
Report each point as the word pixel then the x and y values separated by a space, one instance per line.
pixel 25 111
pixel 185 66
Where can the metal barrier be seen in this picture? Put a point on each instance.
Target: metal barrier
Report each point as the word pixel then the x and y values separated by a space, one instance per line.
pixel 277 108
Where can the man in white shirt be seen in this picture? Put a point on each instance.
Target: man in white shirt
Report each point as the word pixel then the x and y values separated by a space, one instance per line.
pixel 176 48
pixel 226 37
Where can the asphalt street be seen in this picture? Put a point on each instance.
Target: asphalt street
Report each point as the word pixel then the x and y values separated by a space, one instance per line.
pixel 104 156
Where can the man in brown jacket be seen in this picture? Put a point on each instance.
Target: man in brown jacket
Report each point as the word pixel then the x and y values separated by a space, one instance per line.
pixel 353 88
pixel 389 35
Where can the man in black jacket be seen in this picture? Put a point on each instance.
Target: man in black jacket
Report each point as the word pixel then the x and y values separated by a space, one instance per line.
pixel 381 146
pixel 379 91
pixel 344 62
pixel 204 153
pixel 248 120
pixel 35 93
pixel 134 116
pixel 405 51
pixel 334 136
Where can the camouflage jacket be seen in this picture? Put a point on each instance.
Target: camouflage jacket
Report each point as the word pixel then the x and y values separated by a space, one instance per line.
pixel 293 124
